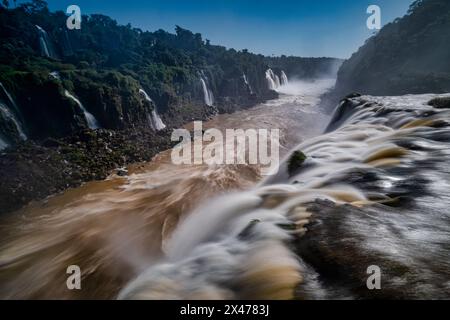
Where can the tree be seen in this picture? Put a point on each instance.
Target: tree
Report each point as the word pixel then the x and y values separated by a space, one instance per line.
pixel 35 6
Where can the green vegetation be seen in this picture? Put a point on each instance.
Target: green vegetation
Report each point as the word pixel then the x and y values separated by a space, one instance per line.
pixel 410 55
pixel 104 64
pixel 296 161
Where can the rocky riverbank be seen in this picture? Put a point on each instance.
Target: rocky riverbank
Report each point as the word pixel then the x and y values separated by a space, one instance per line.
pixel 74 105
pixel 34 171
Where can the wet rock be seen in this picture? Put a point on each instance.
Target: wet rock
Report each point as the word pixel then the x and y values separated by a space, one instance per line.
pixel 32 171
pixel 122 172
pixel 440 103
pixel 295 162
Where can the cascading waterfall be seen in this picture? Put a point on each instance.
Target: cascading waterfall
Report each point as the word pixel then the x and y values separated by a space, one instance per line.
pixel 55 75
pixel 207 93
pixel 236 247
pixel 45 43
pixel 7 114
pixel 10 112
pixel 222 246
pixel 273 80
pixel 247 83
pixel 90 119
pixel 154 118
pixel 284 78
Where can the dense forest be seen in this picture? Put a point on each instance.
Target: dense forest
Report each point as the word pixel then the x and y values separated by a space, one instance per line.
pixel 75 104
pixel 409 55
pixel 104 65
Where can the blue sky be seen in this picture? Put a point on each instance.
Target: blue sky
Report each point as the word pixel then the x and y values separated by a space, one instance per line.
pixel 302 27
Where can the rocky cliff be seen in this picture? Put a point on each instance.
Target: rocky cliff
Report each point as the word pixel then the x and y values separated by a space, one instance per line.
pixel 75 104
pixel 56 82
pixel 408 56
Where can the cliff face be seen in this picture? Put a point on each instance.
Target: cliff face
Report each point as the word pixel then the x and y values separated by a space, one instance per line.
pixel 410 55
pixel 56 82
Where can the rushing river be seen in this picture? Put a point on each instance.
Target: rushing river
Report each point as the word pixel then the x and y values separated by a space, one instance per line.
pixel 116 229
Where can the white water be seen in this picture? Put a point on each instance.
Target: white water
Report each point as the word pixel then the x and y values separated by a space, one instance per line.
pixel 247 83
pixel 122 223
pixel 273 80
pixel 55 75
pixel 5 110
pixel 45 44
pixel 306 88
pixel 90 119
pixel 234 247
pixel 215 250
pixel 208 95
pixel 9 115
pixel 284 78
pixel 154 118
pixel 219 250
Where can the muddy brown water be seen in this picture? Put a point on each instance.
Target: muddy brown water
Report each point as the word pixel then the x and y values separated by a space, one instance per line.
pixel 114 229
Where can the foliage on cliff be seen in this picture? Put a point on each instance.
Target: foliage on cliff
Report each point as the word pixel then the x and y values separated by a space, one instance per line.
pixel 409 55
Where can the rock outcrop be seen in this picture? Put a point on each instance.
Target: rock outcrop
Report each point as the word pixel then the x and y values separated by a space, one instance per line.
pixel 407 56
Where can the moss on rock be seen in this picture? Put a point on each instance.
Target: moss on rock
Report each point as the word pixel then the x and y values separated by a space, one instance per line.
pixel 296 161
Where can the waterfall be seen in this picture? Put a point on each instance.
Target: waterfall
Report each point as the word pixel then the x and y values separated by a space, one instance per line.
pixel 153 118
pixel 11 114
pixel 47 49
pixel 284 78
pixel 90 119
pixel 277 81
pixel 55 75
pixel 238 246
pixel 273 80
pixel 157 122
pixel 225 244
pixel 207 93
pixel 247 83
pixel 7 114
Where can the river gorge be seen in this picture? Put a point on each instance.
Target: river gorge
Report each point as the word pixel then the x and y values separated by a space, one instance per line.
pixel 293 152
pixel 114 229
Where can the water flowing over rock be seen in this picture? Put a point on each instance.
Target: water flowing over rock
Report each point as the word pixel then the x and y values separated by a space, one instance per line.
pixel 207 93
pixel 90 119
pixel 250 89
pixel 55 75
pixel 284 78
pixel 153 118
pixel 47 49
pixel 363 192
pixel 273 81
pixel 9 113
